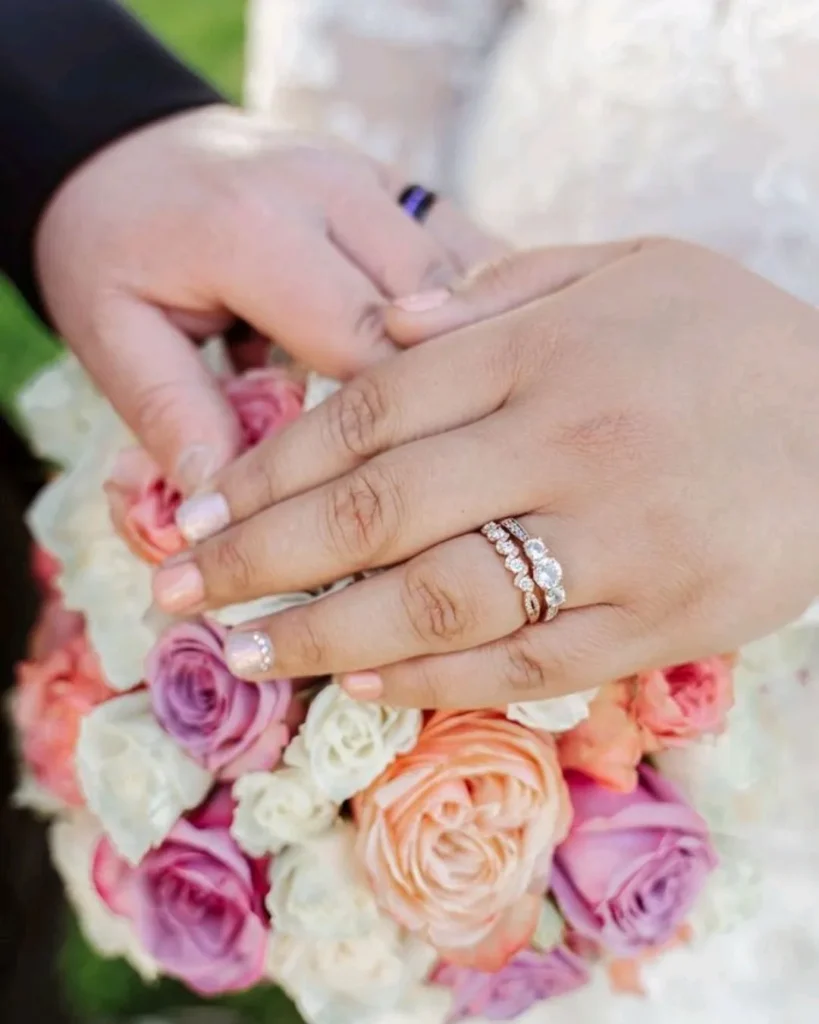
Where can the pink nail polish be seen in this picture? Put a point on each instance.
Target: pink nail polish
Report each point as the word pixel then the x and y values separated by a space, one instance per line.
pixel 202 516
pixel 249 654
pixel 423 302
pixel 363 685
pixel 179 588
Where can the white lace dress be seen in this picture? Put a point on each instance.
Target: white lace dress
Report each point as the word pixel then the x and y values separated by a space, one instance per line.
pixel 582 120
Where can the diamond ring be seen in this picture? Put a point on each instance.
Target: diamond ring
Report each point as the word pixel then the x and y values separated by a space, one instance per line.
pixel 546 570
pixel 511 554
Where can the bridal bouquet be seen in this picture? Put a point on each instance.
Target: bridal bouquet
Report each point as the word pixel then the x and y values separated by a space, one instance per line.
pixel 377 864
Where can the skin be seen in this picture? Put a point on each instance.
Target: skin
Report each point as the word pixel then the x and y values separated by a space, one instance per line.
pixel 173 232
pixel 648 408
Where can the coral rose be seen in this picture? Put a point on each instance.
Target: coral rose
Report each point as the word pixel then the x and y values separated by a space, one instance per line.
pixel 454 833
pixel 677 705
pixel 143 506
pixel 53 696
pixel 608 746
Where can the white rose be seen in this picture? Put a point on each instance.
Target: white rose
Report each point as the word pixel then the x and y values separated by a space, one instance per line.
pixel 550 928
pixel 134 777
pixel 73 840
pixel 318 389
pixel 60 408
pixel 353 981
pixel 237 614
pixel 99 576
pixel 318 889
pixel 275 809
pixel 555 714
pixel 345 744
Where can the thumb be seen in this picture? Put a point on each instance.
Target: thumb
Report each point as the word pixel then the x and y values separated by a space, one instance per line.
pixel 498 287
pixel 155 379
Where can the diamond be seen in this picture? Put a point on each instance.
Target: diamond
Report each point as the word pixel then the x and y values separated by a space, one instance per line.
pixel 494 532
pixel 535 549
pixel 506 547
pixel 514 563
pixel 556 596
pixel 525 582
pixel 548 573
pixel 532 606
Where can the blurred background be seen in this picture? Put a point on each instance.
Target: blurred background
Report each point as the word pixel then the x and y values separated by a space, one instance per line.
pixel 209 34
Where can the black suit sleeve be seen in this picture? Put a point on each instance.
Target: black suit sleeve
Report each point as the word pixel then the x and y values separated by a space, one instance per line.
pixel 74 76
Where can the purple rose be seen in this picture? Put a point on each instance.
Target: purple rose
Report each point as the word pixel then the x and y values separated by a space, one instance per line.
pixel 633 863
pixel 227 725
pixel 529 978
pixel 196 903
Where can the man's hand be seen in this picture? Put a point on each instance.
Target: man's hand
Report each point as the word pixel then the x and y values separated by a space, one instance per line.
pixel 170 234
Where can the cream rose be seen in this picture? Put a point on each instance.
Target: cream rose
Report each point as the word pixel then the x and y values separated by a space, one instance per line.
pixel 555 714
pixel 319 891
pixel 276 809
pixel 134 777
pixel 345 744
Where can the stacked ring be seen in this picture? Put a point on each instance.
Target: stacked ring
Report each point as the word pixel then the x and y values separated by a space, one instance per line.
pixel 546 570
pixel 511 554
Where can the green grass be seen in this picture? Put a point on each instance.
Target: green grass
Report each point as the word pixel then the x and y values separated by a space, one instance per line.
pixel 209 35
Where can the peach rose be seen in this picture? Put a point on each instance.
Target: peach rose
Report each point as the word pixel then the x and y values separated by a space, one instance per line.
pixel 143 506
pixel 677 705
pixel 608 745
pixel 454 833
pixel 52 697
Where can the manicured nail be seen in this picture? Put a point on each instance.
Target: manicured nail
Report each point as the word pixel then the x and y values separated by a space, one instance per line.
pixel 202 516
pixel 249 654
pixel 179 588
pixel 363 685
pixel 195 467
pixel 423 302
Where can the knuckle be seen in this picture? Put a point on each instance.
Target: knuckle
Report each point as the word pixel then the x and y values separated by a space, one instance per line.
pixel 227 569
pixel 437 611
pixel 611 433
pixel 527 673
pixel 363 513
pixel 308 651
pixel 157 406
pixel 359 414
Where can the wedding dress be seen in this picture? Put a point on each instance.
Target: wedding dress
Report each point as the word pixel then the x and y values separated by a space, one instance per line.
pixel 584 120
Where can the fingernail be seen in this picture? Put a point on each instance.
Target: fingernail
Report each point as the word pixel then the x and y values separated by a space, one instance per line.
pixel 179 588
pixel 423 301
pixel 196 466
pixel 363 685
pixel 202 516
pixel 249 654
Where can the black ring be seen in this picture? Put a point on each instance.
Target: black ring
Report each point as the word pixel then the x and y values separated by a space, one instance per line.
pixel 417 201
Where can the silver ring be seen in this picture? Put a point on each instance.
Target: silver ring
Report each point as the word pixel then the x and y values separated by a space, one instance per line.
pixel 546 570
pixel 511 554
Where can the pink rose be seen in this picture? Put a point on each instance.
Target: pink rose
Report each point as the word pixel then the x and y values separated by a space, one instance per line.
pixel 196 902
pixel 265 401
pixel 227 725
pixel 143 507
pixel 454 833
pixel 530 977
pixel 677 705
pixel 45 569
pixel 608 745
pixel 52 697
pixel 632 865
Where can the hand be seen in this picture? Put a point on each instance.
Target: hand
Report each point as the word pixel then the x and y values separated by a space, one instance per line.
pixel 169 234
pixel 648 409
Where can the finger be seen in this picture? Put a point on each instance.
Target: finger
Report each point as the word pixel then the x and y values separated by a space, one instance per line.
pixel 497 288
pixel 580 649
pixel 394 403
pixel 458 595
pixel 157 382
pixel 386 511
pixel 467 245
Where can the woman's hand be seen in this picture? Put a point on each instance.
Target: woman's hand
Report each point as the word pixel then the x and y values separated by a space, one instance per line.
pixel 649 409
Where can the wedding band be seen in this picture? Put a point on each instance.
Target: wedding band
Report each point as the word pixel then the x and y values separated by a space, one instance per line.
pixel 547 572
pixel 416 201
pixel 511 554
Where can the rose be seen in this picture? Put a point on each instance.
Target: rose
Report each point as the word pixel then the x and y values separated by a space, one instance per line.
pixel 275 809
pixel 554 714
pixel 227 725
pixel 52 697
pixel 453 834
pixel 344 744
pixel 143 506
pixel 609 745
pixel 530 977
pixel 265 400
pixel 677 705
pixel 54 628
pixel 46 570
pixel 133 775
pixel 633 864
pixel 196 902
pixel 318 890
